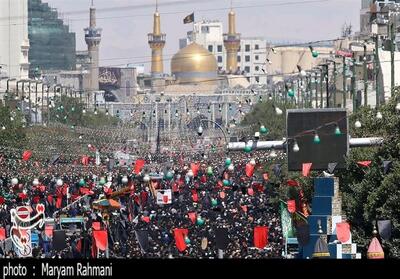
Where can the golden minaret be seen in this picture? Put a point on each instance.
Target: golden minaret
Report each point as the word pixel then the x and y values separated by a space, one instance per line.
pixel 157 43
pixel 232 44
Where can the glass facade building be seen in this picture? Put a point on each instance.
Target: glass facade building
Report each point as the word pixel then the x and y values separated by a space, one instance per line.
pixel 53 46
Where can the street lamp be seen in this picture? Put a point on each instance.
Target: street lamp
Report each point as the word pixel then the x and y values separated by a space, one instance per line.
pixel 8 85
pixel 200 129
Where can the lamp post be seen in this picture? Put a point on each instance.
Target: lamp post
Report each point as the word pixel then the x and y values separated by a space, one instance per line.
pixel 200 129
pixel 8 85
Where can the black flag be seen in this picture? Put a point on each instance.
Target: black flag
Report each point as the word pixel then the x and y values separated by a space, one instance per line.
pixel 54 159
pixel 59 240
pixel 143 239
pixel 188 19
pixel 277 170
pixel 385 229
pixel 331 167
pixel 386 166
pixel 303 234
pixel 221 238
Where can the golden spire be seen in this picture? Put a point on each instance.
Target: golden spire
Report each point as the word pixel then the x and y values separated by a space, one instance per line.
pixel 232 21
pixel 157 43
pixel 157 21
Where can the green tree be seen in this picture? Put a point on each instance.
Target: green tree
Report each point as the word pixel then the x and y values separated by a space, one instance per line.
pixel 368 193
pixel 71 111
pixel 264 114
pixel 11 126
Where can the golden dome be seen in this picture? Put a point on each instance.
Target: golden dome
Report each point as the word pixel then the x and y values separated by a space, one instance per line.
pixel 194 64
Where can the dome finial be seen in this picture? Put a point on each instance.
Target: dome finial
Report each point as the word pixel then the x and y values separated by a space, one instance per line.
pixel 156 5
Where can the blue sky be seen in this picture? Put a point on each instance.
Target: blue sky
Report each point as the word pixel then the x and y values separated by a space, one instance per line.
pixel 126 23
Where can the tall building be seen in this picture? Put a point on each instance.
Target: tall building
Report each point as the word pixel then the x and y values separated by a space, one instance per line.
pixel 93 39
pixel 251 55
pixel 53 46
pixel 14 42
pixel 157 42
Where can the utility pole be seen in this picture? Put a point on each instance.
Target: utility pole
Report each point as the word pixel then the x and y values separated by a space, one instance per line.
pixel 376 68
pixel 321 105
pixel 334 83
pixel 316 89
pixel 327 84
pixel 365 76
pixel 344 82
pixel 392 38
pixel 353 83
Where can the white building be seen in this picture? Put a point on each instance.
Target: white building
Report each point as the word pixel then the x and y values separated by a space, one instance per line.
pixel 252 53
pixel 14 42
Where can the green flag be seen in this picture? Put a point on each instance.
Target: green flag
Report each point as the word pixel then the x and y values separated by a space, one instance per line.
pixel 286 219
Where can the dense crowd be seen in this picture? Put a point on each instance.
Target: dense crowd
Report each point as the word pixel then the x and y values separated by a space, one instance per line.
pixel 220 197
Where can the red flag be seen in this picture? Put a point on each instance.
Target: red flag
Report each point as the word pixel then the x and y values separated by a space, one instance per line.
pixel 266 176
pixel 58 202
pixel 260 236
pixel 203 179
pixel 139 165
pixel 85 160
pixel 26 155
pixel 22 196
pixel 192 216
pixel 2 233
pixel 96 226
pixel 249 170
pixel 195 168
pixel 291 205
pixel 179 235
pixel 79 245
pixel 85 191
pixel 195 196
pixel 50 199
pixel 306 169
pixel 101 239
pixel 35 199
pixel 343 232
pixel 146 219
pixel 2 200
pixel 292 182
pixel 364 163
pixel 175 187
pixel 48 230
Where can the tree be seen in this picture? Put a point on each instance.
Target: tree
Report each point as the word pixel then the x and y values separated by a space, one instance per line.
pixel 11 126
pixel 71 111
pixel 368 193
pixel 264 114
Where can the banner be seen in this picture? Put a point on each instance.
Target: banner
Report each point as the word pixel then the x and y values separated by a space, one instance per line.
pixel 260 236
pixel 287 226
pixel 164 196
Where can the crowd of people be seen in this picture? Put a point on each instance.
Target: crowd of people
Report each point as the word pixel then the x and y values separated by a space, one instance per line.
pixel 219 194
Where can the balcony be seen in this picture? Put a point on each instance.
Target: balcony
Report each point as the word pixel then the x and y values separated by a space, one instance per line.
pixel 156 38
pixel 232 38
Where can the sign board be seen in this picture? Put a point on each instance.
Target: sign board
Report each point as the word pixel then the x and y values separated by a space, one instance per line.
pixel 302 127
pixel 164 196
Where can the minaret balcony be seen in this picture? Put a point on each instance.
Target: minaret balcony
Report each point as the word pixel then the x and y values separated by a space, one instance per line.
pixel 232 38
pixel 157 39
pixel 92 32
